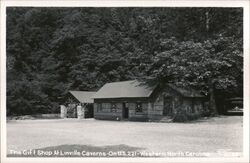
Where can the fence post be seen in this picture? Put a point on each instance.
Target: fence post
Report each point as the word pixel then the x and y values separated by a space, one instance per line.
pixel 63 111
pixel 80 112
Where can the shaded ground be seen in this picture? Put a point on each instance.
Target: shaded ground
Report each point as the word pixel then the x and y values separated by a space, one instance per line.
pixel 213 137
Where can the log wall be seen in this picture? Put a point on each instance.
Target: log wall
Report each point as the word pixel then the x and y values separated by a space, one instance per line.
pixel 152 108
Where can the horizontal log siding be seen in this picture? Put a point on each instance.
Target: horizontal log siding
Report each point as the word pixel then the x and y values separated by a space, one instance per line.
pixel 158 101
pixel 152 108
pixel 138 116
pixel 198 106
pixel 196 103
pixel 106 113
pixel 187 105
pixel 133 115
pixel 157 106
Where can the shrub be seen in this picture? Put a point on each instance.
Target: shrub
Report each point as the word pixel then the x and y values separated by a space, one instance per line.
pixel 193 116
pixel 206 113
pixel 180 116
pixel 183 116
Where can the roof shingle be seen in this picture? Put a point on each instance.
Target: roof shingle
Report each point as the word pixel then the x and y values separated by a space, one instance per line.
pixel 135 89
pixel 124 89
pixel 83 96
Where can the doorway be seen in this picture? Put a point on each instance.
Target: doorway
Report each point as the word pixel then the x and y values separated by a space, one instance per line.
pixel 89 112
pixel 167 108
pixel 71 111
pixel 125 111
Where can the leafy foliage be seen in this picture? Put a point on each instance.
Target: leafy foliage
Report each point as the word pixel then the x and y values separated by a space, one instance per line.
pixel 53 50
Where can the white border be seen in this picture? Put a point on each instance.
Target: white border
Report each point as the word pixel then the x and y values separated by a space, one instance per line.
pixel 127 3
pixel 122 3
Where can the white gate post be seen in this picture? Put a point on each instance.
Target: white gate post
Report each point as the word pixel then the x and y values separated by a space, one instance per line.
pixel 63 111
pixel 80 112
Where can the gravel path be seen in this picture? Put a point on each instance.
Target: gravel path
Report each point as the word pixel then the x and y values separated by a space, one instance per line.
pixel 208 135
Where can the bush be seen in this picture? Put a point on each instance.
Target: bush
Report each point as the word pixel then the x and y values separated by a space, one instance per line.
pixel 183 116
pixel 180 116
pixel 193 116
pixel 205 114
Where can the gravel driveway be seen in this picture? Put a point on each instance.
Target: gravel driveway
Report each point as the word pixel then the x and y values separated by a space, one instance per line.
pixel 211 135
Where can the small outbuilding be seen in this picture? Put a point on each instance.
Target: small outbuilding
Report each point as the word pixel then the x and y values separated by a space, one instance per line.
pixel 78 104
pixel 131 100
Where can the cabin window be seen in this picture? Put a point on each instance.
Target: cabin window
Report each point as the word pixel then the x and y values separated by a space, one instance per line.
pixel 99 108
pixel 113 107
pixel 138 108
pixel 105 106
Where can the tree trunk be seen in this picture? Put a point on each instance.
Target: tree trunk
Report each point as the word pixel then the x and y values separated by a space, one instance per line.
pixel 212 104
pixel 207 21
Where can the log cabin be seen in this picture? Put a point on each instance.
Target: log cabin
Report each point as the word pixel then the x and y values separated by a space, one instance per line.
pixel 132 100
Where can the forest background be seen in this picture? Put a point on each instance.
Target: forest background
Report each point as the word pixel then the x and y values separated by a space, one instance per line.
pixel 53 50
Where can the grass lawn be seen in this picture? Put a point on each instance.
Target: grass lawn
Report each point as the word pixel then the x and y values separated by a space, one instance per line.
pixel 212 136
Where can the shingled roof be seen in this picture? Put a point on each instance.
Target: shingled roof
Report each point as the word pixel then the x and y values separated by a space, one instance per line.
pixel 134 88
pixel 124 89
pixel 83 96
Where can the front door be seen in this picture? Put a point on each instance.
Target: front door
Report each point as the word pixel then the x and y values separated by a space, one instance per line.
pixel 125 110
pixel 167 108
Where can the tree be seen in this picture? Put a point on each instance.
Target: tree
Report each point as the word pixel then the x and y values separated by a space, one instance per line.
pixel 207 66
pixel 53 50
